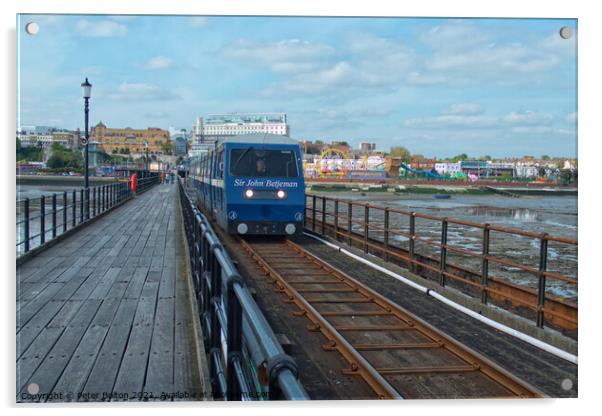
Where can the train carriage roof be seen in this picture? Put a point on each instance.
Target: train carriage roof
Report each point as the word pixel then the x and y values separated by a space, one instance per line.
pixel 259 138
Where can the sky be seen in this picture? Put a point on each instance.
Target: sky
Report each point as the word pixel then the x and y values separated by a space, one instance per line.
pixel 439 87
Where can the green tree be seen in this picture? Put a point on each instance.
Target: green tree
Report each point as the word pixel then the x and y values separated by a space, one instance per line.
pixel 401 152
pixel 459 158
pixel 68 157
pixel 30 153
pixel 167 147
pixel 545 157
pixel 56 162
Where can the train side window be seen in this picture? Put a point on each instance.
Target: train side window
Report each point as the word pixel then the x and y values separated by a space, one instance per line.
pixel 220 165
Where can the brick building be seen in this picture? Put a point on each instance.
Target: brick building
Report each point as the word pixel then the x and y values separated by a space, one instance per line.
pixel 112 140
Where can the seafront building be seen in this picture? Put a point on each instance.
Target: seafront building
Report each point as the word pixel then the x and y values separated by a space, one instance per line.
pixel 128 140
pixel 207 130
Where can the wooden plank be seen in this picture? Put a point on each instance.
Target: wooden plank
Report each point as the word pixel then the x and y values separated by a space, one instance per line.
pixel 136 283
pixel 40 347
pixel 160 371
pixel 105 368
pixel 74 378
pixel 133 366
pixel 73 270
pixel 30 331
pixel 73 285
pixel 49 371
pixel 27 311
pixel 104 284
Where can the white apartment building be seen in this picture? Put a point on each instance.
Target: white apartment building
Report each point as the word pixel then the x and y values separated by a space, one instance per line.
pixel 526 171
pixel 448 168
pixel 232 124
pixel 211 128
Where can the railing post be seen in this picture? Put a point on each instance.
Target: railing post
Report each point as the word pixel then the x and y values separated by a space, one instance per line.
pixel 215 340
pixel 42 220
pixel 386 234
pixel 87 203
pixel 349 216
pixel 485 265
pixel 412 242
pixel 366 226
pixel 53 215
pixel 94 201
pixel 81 206
pixel 74 206
pixel 336 219
pixel 313 213
pixel 26 223
pixel 541 279
pixel 323 215
pixel 102 199
pixel 65 208
pixel 234 332
pixel 443 259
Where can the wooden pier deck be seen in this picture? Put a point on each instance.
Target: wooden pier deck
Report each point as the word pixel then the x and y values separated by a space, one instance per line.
pixel 105 314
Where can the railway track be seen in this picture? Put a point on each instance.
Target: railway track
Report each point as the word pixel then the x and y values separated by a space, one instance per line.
pixel 397 354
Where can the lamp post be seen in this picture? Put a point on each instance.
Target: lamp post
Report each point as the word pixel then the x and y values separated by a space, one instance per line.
pixel 87 93
pixel 146 156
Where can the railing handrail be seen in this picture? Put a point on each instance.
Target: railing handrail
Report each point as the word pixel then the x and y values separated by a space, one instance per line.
pixel 227 308
pixel 319 217
pixel 84 204
pixel 508 230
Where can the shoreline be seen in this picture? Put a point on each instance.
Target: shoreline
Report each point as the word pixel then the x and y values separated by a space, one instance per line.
pixel 435 189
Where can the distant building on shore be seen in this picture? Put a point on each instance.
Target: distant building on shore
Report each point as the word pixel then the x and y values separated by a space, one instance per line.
pixel 367 147
pixel 213 127
pixel 128 140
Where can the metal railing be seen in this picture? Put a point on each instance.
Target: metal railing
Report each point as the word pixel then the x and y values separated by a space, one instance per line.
pixel 246 361
pixel 396 236
pixel 42 219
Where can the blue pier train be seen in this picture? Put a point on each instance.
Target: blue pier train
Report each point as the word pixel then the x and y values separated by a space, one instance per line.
pixel 252 184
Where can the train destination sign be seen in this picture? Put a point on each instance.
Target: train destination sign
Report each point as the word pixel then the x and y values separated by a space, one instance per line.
pixel 267 183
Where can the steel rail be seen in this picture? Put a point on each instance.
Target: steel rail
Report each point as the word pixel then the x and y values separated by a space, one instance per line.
pixel 375 377
pixel 358 364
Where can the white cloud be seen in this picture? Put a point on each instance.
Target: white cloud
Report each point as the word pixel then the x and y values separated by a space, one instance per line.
pixel 158 62
pixel 493 60
pixel 142 92
pixel 455 35
pixel 452 120
pixel 516 120
pixel 465 54
pixel 102 28
pixel 420 78
pixel 463 109
pixel 278 54
pixel 527 118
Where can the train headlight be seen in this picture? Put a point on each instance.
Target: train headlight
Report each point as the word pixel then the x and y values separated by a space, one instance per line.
pixel 242 228
pixel 290 229
pixel 280 194
pixel 249 193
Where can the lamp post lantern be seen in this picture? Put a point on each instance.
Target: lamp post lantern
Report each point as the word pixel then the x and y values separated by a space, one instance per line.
pixel 87 93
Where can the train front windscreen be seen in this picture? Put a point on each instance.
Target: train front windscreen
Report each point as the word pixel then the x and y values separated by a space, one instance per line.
pixel 263 162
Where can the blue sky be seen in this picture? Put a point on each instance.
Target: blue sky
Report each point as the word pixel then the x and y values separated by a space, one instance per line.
pixel 500 87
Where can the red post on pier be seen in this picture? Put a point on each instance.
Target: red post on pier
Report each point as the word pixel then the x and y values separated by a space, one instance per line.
pixel 133 182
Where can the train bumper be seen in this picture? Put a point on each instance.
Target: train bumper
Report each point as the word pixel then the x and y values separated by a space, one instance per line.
pixel 265 227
